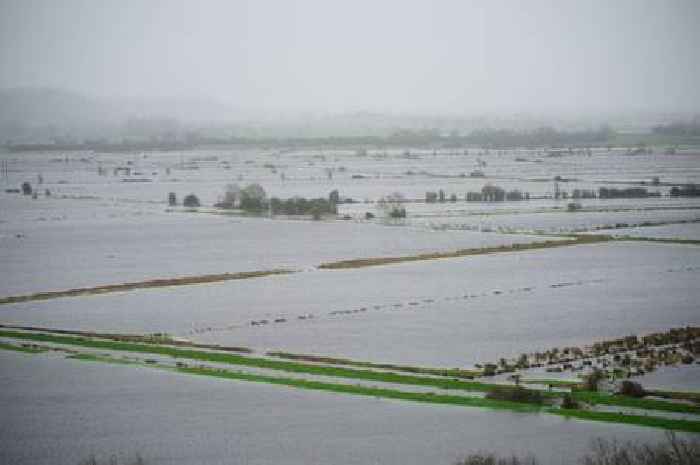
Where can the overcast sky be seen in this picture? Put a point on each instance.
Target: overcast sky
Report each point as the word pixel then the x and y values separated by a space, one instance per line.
pixel 401 56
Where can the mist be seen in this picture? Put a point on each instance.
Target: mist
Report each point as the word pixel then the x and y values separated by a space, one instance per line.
pixel 418 57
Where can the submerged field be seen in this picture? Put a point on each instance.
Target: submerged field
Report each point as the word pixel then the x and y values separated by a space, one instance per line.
pixel 454 285
pixel 106 409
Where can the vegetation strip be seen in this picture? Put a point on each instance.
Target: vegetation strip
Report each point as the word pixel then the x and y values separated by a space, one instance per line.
pixel 365 262
pixel 333 371
pixel 595 398
pixel 448 372
pixel 364 390
pixel 165 282
pixel 256 362
pixel 658 239
pixel 157 338
pixel 28 350
pixel 638 420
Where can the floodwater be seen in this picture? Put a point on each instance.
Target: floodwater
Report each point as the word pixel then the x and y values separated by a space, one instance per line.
pixel 452 312
pixel 61 411
pixel 100 227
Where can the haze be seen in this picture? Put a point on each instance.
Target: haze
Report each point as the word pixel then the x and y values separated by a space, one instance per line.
pixel 393 56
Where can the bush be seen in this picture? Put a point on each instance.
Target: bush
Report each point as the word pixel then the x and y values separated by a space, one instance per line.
pixel 673 451
pixel 515 394
pixel 191 201
pixel 568 402
pixel 489 369
pixel 493 459
pixel 26 188
pixel 253 198
pixel 631 389
pixel 301 206
pixel 590 381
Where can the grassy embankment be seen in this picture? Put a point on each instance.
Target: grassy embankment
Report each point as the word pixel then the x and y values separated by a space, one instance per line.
pixel 368 375
pixel 152 283
pixel 376 261
pixel 659 239
pixel 16 348
pixel 446 372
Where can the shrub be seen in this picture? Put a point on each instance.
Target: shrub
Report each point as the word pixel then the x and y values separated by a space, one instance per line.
pixel 26 188
pixel 253 198
pixel 590 381
pixel 672 451
pixel 489 369
pixel 631 389
pixel 568 402
pixel 191 201
pixel 482 458
pixel 515 394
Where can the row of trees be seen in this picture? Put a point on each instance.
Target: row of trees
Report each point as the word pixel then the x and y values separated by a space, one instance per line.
pixel 628 193
pixel 254 199
pixel 687 191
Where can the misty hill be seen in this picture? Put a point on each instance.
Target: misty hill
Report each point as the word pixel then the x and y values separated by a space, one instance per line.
pixel 48 106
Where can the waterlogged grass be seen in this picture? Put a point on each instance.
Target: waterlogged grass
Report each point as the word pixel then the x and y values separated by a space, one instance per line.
pixel 153 283
pixel 690 396
pixel 595 398
pixel 426 397
pixel 255 362
pixel 560 383
pixel 103 359
pixel 376 261
pixel 365 390
pixel 658 239
pixel 637 420
pixel 155 338
pixel 447 372
pixel 16 348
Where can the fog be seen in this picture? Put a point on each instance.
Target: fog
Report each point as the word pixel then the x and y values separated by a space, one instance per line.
pixel 439 57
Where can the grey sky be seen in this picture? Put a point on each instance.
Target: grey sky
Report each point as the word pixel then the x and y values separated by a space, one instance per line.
pixel 402 56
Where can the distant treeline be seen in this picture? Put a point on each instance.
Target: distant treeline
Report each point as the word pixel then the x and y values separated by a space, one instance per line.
pixel 103 147
pixel 545 136
pixel 502 138
pixel 679 129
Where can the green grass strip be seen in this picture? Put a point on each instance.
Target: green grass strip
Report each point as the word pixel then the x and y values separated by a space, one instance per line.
pixel 634 402
pixel 691 396
pixel 103 358
pixel 637 420
pixel 340 372
pixel 562 383
pixel 365 390
pixel 447 372
pixel 15 348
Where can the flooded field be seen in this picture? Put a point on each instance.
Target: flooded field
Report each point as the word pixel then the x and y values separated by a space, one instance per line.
pixel 451 312
pixel 513 277
pixel 90 408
